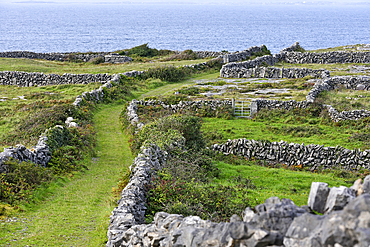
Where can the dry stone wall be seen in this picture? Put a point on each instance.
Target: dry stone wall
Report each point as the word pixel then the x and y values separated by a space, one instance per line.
pixel 250 68
pixel 25 79
pixel 83 57
pixel 326 57
pixel 131 207
pixel 293 154
pixel 38 154
pixel 273 72
pixel 355 83
pixel 243 55
pixel 132 108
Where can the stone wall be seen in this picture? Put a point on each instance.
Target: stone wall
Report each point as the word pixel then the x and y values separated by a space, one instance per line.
pixel 293 154
pixel 273 223
pixel 133 117
pixel 25 79
pixel 354 83
pixel 272 72
pixel 115 58
pixel 38 154
pixel 131 207
pixel 83 57
pixel 326 57
pixel 243 55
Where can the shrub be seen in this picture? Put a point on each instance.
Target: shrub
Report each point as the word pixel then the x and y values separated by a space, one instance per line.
pixel 185 55
pixel 20 179
pixel 168 73
pixel 97 60
pixel 169 132
pixel 64 160
pixel 214 202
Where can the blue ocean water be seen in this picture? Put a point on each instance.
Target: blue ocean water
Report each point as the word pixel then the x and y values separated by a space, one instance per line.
pixel 109 27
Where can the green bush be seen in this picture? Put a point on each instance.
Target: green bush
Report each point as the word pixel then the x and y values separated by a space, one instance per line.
pixel 214 202
pixel 64 160
pixel 167 130
pixel 20 179
pixel 168 73
pixel 97 60
pixel 185 55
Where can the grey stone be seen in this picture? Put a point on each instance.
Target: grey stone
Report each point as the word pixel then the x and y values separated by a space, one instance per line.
pixel 366 185
pixel 338 198
pixel 318 196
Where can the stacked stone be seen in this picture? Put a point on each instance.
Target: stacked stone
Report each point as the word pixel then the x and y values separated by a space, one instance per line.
pixel 131 207
pixel 207 54
pixel 293 154
pixel 277 104
pixel 133 117
pixel 243 55
pixel 355 83
pixel 96 94
pixel 326 57
pixel 133 73
pixel 291 48
pixel 25 79
pixel 116 58
pixel 33 55
pixel 84 57
pixel 38 154
pixel 346 115
pixel 230 69
pixel 273 72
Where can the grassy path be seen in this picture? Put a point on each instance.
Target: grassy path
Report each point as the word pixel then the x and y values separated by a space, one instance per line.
pixel 77 213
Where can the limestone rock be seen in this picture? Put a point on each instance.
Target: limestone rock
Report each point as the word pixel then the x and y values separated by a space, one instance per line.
pixel 318 196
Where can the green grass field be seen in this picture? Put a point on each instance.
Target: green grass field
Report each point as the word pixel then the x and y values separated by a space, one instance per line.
pixel 54 67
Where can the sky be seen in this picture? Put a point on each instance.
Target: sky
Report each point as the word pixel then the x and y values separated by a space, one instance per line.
pixel 196 1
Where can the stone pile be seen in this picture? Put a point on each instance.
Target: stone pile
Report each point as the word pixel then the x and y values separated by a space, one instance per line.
pixel 131 207
pixel 273 72
pixel 294 154
pixel 25 79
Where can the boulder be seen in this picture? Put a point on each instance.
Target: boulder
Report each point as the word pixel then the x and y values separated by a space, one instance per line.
pixel 338 198
pixel 318 196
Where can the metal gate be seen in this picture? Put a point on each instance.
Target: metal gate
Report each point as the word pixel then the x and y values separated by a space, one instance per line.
pixel 242 108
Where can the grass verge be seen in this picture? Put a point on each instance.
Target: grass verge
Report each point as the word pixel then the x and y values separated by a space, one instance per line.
pixel 75 212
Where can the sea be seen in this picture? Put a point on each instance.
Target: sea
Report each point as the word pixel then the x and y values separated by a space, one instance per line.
pixel 52 27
